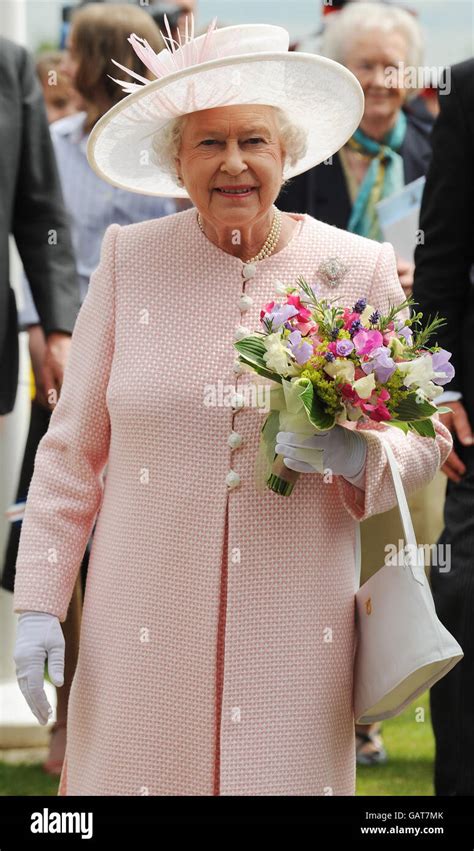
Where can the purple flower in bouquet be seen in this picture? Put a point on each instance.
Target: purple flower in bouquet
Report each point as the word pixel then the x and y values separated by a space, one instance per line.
pixel 299 347
pixel 380 363
pixel 344 347
pixel 404 331
pixel 279 314
pixel 444 371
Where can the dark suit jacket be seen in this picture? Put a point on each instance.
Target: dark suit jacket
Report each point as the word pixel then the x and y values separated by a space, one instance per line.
pixel 322 192
pixel 442 276
pixel 31 208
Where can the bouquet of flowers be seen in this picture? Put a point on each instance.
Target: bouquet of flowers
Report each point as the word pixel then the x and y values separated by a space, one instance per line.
pixel 333 365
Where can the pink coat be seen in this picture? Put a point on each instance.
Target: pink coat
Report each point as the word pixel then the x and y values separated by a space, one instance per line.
pixel 218 624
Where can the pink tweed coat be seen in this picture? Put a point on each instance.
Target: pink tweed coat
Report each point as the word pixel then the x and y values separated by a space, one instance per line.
pixel 218 624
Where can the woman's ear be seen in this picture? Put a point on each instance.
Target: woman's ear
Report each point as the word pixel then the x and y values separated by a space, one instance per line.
pixel 178 171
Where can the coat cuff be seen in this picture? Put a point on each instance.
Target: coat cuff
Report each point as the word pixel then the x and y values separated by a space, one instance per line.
pixel 418 458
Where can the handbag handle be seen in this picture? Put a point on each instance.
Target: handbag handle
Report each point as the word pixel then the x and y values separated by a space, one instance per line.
pixel 405 515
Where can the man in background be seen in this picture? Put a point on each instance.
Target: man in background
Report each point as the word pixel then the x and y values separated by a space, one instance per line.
pixel 31 208
pixel 442 284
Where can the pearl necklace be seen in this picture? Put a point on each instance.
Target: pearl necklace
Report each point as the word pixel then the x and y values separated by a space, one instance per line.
pixel 267 248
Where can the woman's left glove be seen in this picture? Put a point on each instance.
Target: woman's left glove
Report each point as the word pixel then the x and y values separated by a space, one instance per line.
pixel 344 452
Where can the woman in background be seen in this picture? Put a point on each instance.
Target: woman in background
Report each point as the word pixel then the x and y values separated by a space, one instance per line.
pixel 82 80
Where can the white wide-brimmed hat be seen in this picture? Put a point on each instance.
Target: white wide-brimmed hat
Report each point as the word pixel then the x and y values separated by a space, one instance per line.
pixel 247 64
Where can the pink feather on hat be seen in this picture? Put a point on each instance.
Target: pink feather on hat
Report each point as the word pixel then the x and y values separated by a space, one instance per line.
pixel 177 56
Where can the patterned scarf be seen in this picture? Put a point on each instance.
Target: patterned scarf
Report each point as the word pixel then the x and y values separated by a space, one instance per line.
pixel 384 177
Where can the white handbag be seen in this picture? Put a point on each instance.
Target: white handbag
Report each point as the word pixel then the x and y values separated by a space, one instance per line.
pixel 402 648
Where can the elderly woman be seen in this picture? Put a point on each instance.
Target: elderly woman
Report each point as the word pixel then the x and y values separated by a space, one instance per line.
pixel 217 641
pixel 382 46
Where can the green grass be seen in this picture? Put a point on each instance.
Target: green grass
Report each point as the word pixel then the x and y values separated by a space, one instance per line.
pixel 26 780
pixel 410 747
pixel 409 770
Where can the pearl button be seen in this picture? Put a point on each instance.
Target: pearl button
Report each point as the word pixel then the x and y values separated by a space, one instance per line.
pixel 234 440
pixel 249 270
pixel 237 400
pixel 245 302
pixel 241 331
pixel 232 479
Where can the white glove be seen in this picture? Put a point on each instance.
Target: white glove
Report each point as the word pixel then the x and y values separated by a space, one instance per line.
pixel 344 452
pixel 39 635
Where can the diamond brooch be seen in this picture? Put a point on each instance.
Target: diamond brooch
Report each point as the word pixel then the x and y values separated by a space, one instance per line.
pixel 333 271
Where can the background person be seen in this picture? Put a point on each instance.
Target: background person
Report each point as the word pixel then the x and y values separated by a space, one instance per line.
pixel 444 284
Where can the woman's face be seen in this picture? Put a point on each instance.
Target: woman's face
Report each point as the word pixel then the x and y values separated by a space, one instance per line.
pixel 369 57
pixel 231 146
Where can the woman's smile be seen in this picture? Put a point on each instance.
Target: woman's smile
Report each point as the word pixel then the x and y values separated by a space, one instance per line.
pixel 236 192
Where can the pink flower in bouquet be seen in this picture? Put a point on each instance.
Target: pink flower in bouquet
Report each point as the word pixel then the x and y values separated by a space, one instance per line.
pixel 304 315
pixel 350 394
pixel 373 407
pixel 267 309
pixel 349 317
pixel 376 410
pixel 364 341
pixel 302 320
pixel 389 333
pixel 306 328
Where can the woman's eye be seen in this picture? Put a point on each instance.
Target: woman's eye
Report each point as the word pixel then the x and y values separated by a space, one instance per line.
pixel 255 140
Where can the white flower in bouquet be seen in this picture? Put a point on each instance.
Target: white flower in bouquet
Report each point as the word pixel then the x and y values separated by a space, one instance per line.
pixel 418 374
pixel 277 355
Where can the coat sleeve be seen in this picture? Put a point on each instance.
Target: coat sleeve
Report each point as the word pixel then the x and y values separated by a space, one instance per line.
pixel 418 457
pixel 66 488
pixel 40 223
pixel 443 261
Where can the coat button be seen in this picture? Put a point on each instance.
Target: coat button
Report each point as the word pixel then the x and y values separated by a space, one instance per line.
pixel 232 479
pixel 237 400
pixel 245 302
pixel 241 331
pixel 248 270
pixel 234 440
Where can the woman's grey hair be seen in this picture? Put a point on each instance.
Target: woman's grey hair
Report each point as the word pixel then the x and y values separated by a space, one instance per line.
pixel 362 17
pixel 167 142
